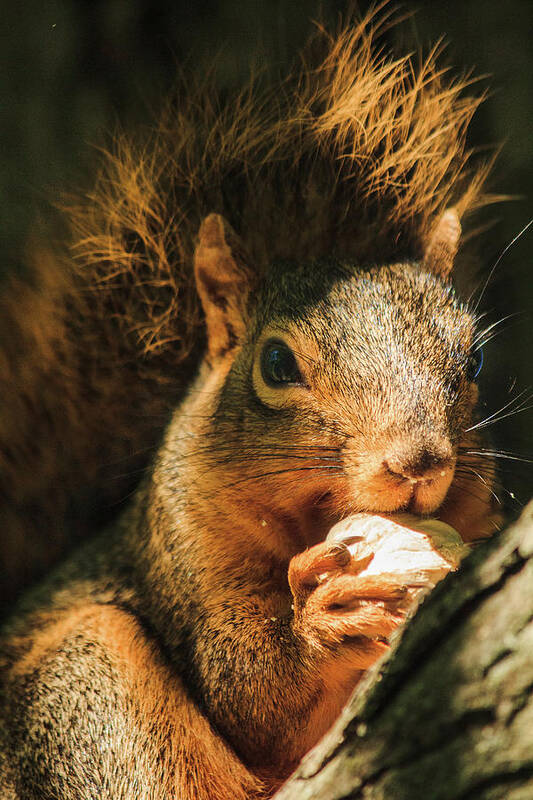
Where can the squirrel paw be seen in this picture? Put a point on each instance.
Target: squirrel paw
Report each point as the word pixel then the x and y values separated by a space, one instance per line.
pixel 335 606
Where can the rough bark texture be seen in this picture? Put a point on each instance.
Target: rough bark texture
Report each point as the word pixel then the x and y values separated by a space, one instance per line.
pixel 450 715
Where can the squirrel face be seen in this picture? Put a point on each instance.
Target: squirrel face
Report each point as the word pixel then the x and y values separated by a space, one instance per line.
pixel 332 389
pixel 363 376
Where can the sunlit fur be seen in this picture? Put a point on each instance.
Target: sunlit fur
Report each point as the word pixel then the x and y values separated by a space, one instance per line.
pixel 356 152
pixel 409 340
pixel 190 651
pixel 172 650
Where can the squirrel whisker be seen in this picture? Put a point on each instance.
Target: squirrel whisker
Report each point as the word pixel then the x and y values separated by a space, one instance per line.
pixel 465 483
pixel 485 483
pixel 500 454
pixel 482 338
pixel 238 459
pixel 499 259
pixel 281 472
pixel 468 462
pixel 497 416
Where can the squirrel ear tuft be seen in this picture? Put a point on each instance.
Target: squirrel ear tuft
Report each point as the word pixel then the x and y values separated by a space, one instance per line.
pixel 443 244
pixel 223 281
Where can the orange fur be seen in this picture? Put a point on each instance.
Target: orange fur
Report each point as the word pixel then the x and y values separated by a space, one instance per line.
pixel 184 618
pixel 356 152
pixel 192 761
pixel 371 148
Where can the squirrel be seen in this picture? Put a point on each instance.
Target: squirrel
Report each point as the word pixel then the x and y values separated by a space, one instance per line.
pixel 293 247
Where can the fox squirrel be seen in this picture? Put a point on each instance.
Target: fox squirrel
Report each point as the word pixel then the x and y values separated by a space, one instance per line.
pixel 190 650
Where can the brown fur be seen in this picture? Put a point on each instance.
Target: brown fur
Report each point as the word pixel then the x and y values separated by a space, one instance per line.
pixel 162 729
pixel 357 152
pixel 196 650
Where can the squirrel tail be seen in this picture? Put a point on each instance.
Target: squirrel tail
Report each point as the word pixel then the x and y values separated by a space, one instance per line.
pixel 354 153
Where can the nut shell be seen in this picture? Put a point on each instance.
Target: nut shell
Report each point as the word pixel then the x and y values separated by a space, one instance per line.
pixel 421 551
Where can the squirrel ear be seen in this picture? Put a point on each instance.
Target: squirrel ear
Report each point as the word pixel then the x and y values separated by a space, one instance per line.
pixel 223 281
pixel 443 243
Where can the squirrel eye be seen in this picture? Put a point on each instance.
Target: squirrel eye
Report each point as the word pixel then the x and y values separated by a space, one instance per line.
pixel 278 364
pixel 475 362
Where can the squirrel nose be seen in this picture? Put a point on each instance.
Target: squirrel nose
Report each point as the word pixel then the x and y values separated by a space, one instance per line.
pixel 420 465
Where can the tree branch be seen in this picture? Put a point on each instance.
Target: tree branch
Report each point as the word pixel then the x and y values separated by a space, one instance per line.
pixel 449 715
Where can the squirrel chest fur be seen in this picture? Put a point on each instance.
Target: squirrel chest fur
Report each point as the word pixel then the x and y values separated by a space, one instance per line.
pixel 194 652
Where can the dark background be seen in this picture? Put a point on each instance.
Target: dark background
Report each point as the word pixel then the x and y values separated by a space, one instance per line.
pixel 75 70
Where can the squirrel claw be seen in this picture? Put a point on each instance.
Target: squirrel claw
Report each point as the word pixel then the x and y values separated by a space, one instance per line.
pixel 340 554
pixel 313 567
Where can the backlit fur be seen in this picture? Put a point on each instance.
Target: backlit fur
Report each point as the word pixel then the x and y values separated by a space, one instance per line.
pixel 355 153
pixel 194 650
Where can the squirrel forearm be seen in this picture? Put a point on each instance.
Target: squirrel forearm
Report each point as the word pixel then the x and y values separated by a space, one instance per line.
pixel 258 679
pixel 231 636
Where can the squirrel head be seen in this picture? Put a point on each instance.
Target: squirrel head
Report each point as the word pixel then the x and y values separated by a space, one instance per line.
pixel 335 385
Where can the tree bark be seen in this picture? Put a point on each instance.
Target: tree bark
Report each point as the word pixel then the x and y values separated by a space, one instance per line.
pixel 449 715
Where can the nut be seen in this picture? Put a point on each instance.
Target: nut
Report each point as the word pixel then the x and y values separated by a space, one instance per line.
pixel 419 550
